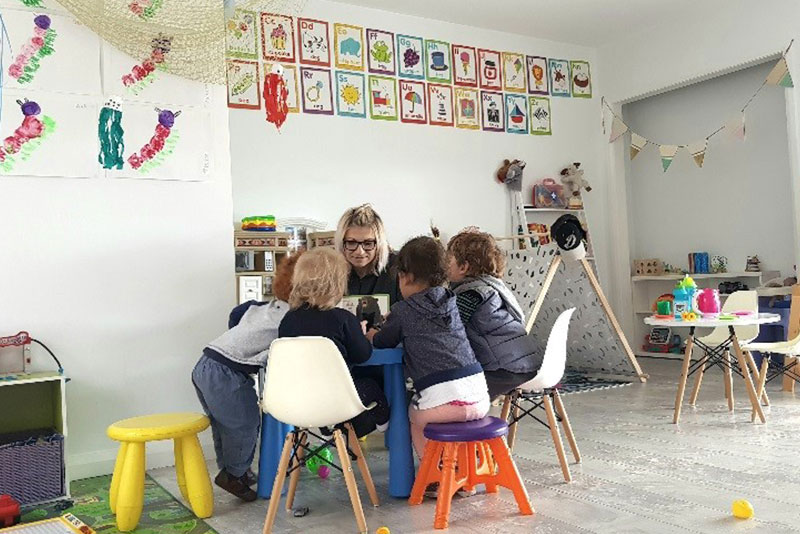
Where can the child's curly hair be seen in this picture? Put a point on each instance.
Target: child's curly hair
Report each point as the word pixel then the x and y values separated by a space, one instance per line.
pixel 319 279
pixel 479 251
pixel 424 258
pixel 282 285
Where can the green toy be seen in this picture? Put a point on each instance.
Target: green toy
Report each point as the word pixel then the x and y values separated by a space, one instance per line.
pixel 320 461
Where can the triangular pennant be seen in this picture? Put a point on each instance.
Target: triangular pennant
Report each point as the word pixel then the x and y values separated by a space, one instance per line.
pixel 698 151
pixel 617 129
pixel 780 75
pixel 736 127
pixel 667 155
pixel 637 144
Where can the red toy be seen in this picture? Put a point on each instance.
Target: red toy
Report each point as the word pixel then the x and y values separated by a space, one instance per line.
pixel 9 511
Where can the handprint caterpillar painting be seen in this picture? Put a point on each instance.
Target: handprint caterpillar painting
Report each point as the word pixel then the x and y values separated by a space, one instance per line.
pixel 144 74
pixel 27 138
pixel 31 54
pixel 32 3
pixel 145 9
pixel 161 144
pixel 110 132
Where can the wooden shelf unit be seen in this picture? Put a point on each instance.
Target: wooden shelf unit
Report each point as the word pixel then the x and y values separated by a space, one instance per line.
pixel 262 245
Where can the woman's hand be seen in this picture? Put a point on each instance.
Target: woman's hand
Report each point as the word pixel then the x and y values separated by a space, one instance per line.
pixel 364 328
pixel 371 334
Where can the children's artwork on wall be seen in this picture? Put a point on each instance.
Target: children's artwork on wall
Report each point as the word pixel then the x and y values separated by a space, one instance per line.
pixel 166 143
pixel 348 46
pixel 538 83
pixel 149 69
pixel 559 77
pixel 380 52
pixel 241 35
pixel 383 98
pixel 290 79
pixel 277 38
pixel 45 47
pixel 440 104
pixel 514 72
pixel 516 114
pixel 144 9
pixel 314 42
pixel 158 88
pixel 492 112
pixel 350 99
pixel 412 102
pixel 489 68
pixel 243 84
pixel 275 94
pixel 48 134
pixel 581 79
pixel 467 106
pixel 438 61
pixel 317 93
pixel 465 66
pixel 411 57
pixel 539 115
pixel 111 135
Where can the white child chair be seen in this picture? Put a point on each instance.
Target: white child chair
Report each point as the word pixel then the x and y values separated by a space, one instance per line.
pixel 715 346
pixel 541 392
pixel 308 385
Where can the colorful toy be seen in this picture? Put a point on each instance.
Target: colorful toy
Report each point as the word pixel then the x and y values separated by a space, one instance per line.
pixel 689 316
pixel 706 302
pixel 662 307
pixel 9 511
pixel 383 530
pixel 683 296
pixel 573 180
pixel 753 264
pixel 319 462
pixel 742 509
pixel 259 223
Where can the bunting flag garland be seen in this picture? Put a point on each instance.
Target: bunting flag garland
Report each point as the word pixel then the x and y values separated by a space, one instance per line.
pixel 618 128
pixel 637 144
pixel 698 152
pixel 667 155
pixel 780 74
pixel 736 127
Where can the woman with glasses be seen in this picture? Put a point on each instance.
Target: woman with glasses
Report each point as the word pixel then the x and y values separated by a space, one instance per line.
pixel 361 238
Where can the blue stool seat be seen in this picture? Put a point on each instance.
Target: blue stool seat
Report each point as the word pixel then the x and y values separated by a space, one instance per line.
pixel 478 430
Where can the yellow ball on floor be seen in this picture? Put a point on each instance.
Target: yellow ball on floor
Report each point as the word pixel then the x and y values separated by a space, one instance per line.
pixel 742 509
pixel 382 530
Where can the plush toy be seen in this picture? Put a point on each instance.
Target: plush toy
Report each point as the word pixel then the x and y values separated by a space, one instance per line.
pixel 511 174
pixel 572 178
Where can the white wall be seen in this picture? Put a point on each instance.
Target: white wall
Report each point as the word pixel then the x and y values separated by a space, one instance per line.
pixel 317 166
pixel 700 44
pixel 125 280
pixel 740 202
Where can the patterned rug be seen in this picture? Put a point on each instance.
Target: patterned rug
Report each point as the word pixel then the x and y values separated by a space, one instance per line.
pixel 577 382
pixel 162 513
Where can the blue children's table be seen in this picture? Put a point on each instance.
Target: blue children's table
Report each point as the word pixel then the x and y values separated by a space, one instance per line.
pixel 398 437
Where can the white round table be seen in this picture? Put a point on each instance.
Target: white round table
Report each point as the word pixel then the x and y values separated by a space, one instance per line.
pixel 714 355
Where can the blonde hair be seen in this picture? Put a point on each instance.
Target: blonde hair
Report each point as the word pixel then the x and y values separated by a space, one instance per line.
pixel 319 279
pixel 365 216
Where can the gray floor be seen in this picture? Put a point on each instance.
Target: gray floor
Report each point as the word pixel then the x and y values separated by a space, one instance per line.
pixel 640 473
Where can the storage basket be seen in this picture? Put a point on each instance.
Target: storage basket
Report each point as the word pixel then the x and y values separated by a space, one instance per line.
pixel 32 466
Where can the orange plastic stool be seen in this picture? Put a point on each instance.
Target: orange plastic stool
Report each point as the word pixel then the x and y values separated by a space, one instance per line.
pixel 463 455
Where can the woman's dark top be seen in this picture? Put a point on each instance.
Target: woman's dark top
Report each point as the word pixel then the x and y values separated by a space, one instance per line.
pixel 383 283
pixel 338 325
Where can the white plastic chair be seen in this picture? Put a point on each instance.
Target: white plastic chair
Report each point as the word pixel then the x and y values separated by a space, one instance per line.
pixel 540 391
pixel 737 301
pixel 308 385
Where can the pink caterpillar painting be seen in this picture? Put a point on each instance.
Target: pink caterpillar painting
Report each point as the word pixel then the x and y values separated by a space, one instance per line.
pixel 161 144
pixel 31 54
pixel 27 137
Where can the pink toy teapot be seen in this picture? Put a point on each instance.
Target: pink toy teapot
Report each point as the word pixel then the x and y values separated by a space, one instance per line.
pixel 706 301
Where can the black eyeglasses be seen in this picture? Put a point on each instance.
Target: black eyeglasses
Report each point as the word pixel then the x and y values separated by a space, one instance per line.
pixel 367 245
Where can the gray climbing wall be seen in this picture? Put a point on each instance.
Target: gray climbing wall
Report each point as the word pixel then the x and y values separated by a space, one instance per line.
pixel 593 344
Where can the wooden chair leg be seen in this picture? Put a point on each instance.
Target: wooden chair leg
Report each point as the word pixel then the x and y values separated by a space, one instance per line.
pixel 757 376
pixel 551 421
pixel 788 382
pixel 512 429
pixel 687 358
pixel 729 380
pixel 446 486
pixel 295 463
pixel 277 487
pixel 363 468
pixel 508 475
pixel 427 469
pixel 748 380
pixel 506 407
pixel 350 480
pixel 562 412
pixel 698 380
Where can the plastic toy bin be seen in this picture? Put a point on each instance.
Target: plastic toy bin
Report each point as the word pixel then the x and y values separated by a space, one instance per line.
pixel 32 466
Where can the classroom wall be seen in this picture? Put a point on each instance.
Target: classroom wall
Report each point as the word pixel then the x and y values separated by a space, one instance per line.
pixel 740 202
pixel 125 280
pixel 317 166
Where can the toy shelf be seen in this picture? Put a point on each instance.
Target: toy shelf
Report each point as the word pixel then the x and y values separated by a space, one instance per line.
pixel 266 248
pixel 551 210
pixel 696 276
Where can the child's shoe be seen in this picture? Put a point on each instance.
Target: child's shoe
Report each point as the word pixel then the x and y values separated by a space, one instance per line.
pixel 250 478
pixel 235 486
pixel 382 428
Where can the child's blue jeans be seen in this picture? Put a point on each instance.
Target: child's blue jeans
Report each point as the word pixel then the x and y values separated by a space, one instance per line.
pixel 230 401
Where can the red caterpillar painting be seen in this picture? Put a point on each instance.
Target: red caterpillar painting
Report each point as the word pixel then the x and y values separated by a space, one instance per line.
pixel 31 54
pixel 27 137
pixel 161 144
pixel 143 74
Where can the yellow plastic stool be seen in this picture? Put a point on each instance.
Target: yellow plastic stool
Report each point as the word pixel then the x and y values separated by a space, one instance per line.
pixel 127 485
